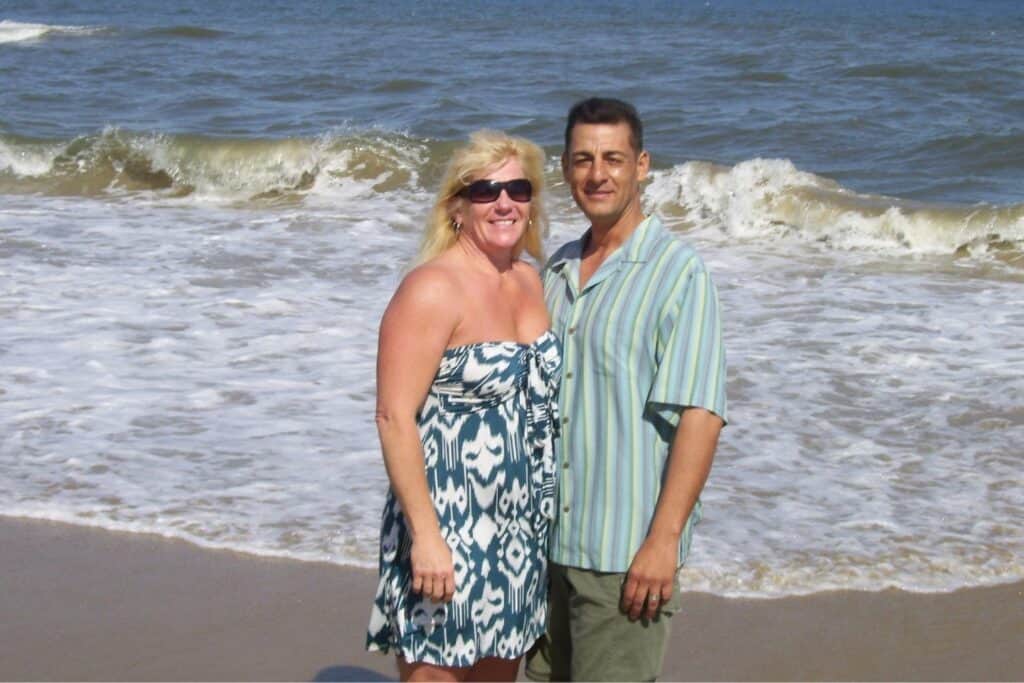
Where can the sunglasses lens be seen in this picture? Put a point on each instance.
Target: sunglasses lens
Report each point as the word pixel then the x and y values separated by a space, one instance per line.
pixel 486 191
pixel 483 191
pixel 519 190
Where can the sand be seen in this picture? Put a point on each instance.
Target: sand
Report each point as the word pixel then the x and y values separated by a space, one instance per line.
pixel 87 604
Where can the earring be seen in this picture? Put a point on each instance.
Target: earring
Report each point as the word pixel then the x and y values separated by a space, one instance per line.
pixel 456 226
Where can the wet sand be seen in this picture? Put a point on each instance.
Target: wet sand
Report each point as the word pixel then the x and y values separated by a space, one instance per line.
pixel 88 604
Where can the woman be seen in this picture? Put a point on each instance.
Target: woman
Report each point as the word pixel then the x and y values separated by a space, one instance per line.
pixel 467 373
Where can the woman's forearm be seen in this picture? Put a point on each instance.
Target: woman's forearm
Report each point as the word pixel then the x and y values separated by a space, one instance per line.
pixel 403 459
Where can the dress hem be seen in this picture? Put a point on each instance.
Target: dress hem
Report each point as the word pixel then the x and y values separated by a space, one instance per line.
pixel 392 648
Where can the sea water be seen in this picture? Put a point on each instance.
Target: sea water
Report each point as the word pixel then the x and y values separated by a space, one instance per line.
pixel 205 207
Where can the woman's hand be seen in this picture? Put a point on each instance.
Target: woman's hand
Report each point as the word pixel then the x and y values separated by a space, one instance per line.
pixel 433 572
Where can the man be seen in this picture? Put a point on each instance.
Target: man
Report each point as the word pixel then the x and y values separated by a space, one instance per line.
pixel 642 404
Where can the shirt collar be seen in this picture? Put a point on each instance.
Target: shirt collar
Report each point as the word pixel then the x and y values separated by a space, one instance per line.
pixel 641 245
pixel 570 251
pixel 638 248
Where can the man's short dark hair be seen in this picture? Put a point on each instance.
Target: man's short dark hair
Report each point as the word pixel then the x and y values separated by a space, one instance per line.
pixel 606 110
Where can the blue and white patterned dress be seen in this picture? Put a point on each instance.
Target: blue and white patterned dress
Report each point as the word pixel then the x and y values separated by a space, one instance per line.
pixel 487 427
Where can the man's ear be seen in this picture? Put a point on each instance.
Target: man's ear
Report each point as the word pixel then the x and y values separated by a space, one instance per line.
pixel 643 165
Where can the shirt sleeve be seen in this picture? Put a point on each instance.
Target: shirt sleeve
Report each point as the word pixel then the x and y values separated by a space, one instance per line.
pixel 691 371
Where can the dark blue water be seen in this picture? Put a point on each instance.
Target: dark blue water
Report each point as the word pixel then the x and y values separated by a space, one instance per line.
pixel 914 99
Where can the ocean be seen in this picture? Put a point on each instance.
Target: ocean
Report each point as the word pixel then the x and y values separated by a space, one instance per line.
pixel 205 207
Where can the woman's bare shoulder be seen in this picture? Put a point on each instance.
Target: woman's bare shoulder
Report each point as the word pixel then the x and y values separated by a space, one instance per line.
pixel 429 280
pixel 428 293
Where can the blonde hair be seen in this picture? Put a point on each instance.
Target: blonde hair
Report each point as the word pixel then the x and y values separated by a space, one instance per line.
pixel 486 149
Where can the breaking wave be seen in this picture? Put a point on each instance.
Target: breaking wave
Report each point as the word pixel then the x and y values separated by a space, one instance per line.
pixel 759 200
pixel 215 169
pixel 771 199
pixel 19 32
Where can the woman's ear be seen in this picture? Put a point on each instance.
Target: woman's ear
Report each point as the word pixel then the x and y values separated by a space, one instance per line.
pixel 455 211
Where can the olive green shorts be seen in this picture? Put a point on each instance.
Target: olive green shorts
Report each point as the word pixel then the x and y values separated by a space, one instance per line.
pixel 590 639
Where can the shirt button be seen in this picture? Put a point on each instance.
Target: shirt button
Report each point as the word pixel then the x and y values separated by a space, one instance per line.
pixel 565 465
pixel 572 329
pixel 565 509
pixel 565 420
pixel 568 375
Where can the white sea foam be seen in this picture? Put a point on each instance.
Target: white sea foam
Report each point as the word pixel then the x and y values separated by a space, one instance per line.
pixel 20 32
pixel 206 371
pixel 858 472
pixel 26 161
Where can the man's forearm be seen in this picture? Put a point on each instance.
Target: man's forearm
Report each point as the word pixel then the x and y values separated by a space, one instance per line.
pixel 649 581
pixel 689 463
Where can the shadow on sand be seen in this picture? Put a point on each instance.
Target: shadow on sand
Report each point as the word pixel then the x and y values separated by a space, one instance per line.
pixel 349 673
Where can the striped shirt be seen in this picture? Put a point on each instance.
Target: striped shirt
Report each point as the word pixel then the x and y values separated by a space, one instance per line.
pixel 640 342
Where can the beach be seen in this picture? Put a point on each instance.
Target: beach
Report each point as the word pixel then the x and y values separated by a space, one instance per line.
pixel 204 213
pixel 89 604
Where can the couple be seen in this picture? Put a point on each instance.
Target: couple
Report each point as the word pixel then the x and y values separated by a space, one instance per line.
pixel 511 437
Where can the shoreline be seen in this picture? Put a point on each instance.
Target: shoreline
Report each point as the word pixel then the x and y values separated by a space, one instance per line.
pixel 83 603
pixel 347 564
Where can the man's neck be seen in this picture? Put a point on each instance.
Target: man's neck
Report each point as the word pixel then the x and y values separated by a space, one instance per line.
pixel 604 239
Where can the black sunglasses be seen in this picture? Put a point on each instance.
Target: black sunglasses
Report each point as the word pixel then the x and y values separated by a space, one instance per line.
pixel 487 191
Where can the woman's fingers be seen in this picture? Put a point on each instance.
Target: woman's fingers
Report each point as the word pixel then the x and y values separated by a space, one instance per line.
pixel 433 572
pixel 439 588
pixel 449 588
pixel 444 587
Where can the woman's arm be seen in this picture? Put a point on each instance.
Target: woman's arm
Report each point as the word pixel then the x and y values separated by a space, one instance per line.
pixel 414 332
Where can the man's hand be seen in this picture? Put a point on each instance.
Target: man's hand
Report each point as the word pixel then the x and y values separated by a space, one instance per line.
pixel 651 577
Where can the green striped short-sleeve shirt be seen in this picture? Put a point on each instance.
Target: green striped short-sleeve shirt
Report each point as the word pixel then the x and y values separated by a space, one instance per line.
pixel 640 342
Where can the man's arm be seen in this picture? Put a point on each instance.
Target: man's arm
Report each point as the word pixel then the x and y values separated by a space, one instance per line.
pixel 653 568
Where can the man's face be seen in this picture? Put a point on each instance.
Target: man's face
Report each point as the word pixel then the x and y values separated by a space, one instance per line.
pixel 603 171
